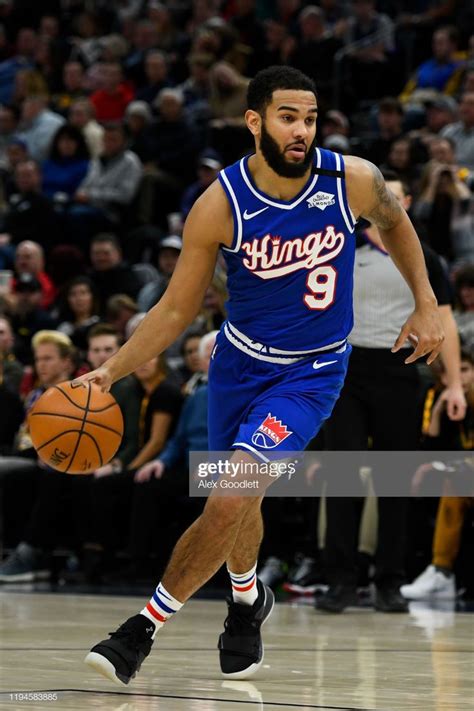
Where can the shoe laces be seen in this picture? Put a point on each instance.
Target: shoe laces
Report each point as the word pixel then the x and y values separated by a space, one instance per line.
pixel 130 633
pixel 238 622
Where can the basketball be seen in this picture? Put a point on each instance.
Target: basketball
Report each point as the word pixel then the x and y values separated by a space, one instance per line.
pixel 76 428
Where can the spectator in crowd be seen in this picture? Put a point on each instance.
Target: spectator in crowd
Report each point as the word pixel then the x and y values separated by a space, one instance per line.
pixel 53 356
pixel 315 51
pixel 170 165
pixel 67 164
pixel 16 152
pixel 79 311
pixel 110 274
pixel 441 73
pixel 86 39
pixel 23 58
pixel 11 411
pixel 28 82
pixel 334 123
pixel 156 72
pixel 162 482
pixel 30 214
pixel 12 369
pixel 371 406
pixel 209 165
pixel 228 95
pixel 228 104
pixel 143 41
pixel 444 209
pixel 277 44
pixel 176 140
pixel 107 190
pixel 27 316
pixel 29 259
pixel 464 304
pixel 190 371
pixel 141 130
pixel 73 88
pixel 389 129
pixel 82 116
pixel 64 263
pixel 441 150
pixel 168 36
pixel 9 117
pixel 369 61
pixel 119 310
pixel 249 27
pixel 437 581
pixel 213 313
pixel 440 112
pixel 400 160
pixel 196 88
pixel 462 132
pixel 31 559
pixel 103 341
pixel 38 126
pixel 168 252
pixel 161 403
pixel 111 101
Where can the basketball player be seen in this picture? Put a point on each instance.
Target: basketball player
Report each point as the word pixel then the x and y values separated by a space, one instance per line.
pixel 284 218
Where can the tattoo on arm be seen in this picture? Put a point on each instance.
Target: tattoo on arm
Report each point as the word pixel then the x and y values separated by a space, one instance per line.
pixel 386 212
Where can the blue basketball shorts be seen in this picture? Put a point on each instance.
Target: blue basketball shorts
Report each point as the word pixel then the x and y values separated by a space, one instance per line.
pixel 265 407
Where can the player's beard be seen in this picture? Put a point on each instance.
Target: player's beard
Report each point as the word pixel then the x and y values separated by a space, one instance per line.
pixel 276 158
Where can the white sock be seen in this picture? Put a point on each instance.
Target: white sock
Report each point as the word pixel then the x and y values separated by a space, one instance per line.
pixel 161 607
pixel 244 586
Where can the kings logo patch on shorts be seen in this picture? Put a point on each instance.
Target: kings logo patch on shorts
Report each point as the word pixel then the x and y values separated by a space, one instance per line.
pixel 270 433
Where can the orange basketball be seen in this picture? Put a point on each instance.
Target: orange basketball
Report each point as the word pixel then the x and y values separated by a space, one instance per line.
pixel 76 428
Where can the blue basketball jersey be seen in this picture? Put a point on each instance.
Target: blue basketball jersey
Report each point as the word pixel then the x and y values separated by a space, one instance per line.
pixel 290 266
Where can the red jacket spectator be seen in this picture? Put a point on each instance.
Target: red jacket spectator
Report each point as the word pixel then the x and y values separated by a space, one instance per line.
pixel 111 101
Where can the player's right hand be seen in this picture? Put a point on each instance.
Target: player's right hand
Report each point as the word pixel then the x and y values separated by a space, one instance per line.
pixel 147 471
pixel 101 377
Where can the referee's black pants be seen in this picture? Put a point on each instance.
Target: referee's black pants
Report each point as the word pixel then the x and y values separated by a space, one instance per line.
pixel 380 402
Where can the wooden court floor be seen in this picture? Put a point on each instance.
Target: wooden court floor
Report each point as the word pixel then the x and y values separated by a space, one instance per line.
pixel 360 660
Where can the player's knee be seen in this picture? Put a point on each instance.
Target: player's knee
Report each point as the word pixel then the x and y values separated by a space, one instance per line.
pixel 227 511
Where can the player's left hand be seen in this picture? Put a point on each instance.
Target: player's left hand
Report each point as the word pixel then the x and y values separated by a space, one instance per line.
pixel 455 401
pixel 425 331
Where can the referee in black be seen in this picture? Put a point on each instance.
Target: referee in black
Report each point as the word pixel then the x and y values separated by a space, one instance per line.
pixel 379 403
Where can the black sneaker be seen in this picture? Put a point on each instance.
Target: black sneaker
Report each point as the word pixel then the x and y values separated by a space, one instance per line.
pixel 240 645
pixel 337 598
pixel 120 657
pixel 390 600
pixel 25 564
pixel 304 579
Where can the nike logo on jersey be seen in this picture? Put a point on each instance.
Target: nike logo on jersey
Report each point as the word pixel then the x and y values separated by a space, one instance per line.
pixel 317 365
pixel 250 215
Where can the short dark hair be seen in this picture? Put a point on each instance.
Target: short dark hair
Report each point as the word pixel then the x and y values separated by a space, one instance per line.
pixel 466 355
pixel 190 335
pixel 390 105
pixel 261 88
pixel 103 329
pixel 107 237
pixel 464 277
pixel 390 176
pixel 73 133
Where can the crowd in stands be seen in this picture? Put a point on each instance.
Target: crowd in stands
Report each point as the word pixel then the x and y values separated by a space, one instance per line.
pixel 114 119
